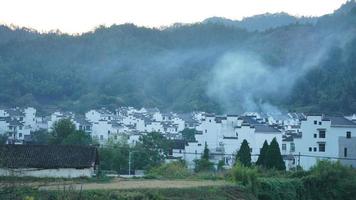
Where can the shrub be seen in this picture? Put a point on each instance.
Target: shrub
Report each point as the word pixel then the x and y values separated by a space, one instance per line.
pixel 173 170
pixel 280 189
pixel 333 179
pixel 247 176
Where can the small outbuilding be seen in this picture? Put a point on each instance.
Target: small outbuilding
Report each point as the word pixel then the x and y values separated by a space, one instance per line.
pixel 65 161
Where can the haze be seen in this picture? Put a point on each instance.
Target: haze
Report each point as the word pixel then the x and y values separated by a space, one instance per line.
pixel 84 15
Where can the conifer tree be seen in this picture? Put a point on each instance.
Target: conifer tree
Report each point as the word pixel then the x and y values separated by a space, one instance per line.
pixel 203 164
pixel 261 161
pixel 243 156
pixel 274 158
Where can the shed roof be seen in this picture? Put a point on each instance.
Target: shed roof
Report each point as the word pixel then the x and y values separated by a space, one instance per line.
pixel 48 156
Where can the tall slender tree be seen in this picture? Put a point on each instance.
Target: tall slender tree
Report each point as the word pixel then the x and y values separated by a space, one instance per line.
pixel 203 164
pixel 261 161
pixel 274 158
pixel 243 156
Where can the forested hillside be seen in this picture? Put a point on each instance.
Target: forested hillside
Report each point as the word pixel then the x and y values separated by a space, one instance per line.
pixel 210 66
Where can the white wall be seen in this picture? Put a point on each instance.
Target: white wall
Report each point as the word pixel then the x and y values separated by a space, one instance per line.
pixel 57 173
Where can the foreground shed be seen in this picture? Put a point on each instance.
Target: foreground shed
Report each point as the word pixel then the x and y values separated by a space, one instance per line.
pixel 64 161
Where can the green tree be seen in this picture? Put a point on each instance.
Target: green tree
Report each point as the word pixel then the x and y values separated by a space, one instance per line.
pixel 243 156
pixel 61 130
pixel 274 158
pixel 188 134
pixel 3 138
pixel 64 132
pixel 115 157
pixel 41 137
pixel 77 138
pixel 261 161
pixel 150 151
pixel 203 164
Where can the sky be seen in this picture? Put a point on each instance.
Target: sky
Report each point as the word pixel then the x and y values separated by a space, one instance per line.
pixel 77 16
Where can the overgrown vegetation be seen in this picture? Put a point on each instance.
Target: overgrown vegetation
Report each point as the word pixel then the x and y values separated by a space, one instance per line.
pixel 326 181
pixel 198 193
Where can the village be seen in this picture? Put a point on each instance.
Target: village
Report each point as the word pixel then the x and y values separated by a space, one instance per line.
pixel 303 138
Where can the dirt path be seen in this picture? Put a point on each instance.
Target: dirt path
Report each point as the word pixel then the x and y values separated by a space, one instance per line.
pixel 137 184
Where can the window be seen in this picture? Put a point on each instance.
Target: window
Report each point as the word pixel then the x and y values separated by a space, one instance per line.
pixel 206 131
pixel 199 144
pixel 108 131
pixel 345 152
pixel 20 134
pixel 315 135
pixel 115 137
pixel 284 147
pixel 209 120
pixel 310 149
pixel 180 151
pixel 101 137
pixel 20 127
pixel 292 147
pixel 314 149
pixel 321 147
pixel 315 122
pixel 322 134
pixel 348 134
pixel 319 123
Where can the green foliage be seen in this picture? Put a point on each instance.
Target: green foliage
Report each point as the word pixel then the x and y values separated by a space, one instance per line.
pixel 280 189
pixel 41 137
pixel 192 193
pixel 101 68
pixel 274 158
pixel 189 134
pixel 333 179
pixel 150 151
pixel 77 138
pixel 63 132
pixel 115 157
pixel 243 156
pixel 246 176
pixel 203 164
pixel 173 170
pixel 3 138
pixel 262 158
pixel 221 165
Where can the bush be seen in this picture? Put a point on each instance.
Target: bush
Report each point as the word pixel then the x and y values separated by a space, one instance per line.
pixel 333 179
pixel 173 170
pixel 280 189
pixel 247 176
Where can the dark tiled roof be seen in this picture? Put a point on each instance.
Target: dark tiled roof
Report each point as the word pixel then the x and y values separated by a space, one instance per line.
pixel 248 120
pixel 341 121
pixel 287 138
pixel 261 128
pixel 15 112
pixel 48 156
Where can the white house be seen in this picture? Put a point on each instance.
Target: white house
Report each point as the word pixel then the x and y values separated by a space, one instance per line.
pixel 224 135
pixel 325 137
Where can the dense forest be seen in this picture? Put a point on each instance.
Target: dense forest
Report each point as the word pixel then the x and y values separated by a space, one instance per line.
pixel 218 65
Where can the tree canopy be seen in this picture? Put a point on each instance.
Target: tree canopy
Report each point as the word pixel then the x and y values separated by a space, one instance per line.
pixel 102 68
pixel 243 156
